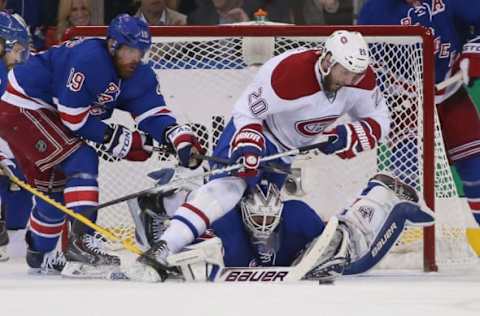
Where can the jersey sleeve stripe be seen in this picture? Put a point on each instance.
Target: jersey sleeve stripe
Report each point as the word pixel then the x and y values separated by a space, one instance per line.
pixel 15 95
pixel 156 111
pixel 73 118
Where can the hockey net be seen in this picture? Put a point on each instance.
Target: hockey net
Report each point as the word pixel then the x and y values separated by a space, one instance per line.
pixel 203 70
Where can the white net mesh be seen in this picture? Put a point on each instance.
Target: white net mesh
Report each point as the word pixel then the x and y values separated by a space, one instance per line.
pixel 201 79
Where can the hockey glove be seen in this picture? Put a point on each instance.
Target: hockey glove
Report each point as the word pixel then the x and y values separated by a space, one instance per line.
pixel 470 63
pixel 185 144
pixel 118 141
pixel 247 147
pixel 142 147
pixel 8 168
pixel 347 140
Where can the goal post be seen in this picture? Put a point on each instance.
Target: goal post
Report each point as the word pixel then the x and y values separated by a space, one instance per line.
pixel 203 69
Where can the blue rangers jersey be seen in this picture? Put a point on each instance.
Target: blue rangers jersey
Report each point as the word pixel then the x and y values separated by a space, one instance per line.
pixel 451 22
pixel 79 81
pixel 299 225
pixel 3 77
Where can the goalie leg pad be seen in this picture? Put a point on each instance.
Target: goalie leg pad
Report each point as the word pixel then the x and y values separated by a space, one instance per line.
pixel 403 213
pixel 200 261
pixel 469 171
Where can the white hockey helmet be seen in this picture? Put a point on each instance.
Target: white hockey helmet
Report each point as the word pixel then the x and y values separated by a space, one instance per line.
pixel 349 49
pixel 262 210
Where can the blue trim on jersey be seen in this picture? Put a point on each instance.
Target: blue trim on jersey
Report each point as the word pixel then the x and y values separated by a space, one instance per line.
pixel 188 224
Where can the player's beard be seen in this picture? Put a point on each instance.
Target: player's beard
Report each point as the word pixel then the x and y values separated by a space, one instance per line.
pixel 124 70
pixel 329 85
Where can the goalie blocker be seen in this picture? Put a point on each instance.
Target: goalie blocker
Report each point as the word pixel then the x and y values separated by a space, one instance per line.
pixel 353 242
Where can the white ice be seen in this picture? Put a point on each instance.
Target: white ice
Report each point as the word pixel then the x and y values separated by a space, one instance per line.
pixel 407 293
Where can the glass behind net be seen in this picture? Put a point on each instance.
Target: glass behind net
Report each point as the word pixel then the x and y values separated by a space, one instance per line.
pixel 201 77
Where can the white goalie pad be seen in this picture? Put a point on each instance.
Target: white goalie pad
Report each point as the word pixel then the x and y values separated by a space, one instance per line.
pixel 200 261
pixel 383 203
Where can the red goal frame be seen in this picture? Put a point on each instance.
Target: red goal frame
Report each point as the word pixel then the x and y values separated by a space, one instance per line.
pixel 429 259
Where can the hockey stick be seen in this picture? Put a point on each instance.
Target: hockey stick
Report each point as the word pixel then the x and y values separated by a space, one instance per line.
pixel 448 82
pixel 79 217
pixel 308 262
pixel 313 255
pixel 223 161
pixel 175 184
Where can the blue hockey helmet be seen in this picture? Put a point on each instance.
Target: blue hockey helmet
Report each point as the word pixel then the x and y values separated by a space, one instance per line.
pixel 13 30
pixel 130 31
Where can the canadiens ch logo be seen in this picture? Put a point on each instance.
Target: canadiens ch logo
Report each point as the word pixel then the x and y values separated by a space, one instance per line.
pixel 313 127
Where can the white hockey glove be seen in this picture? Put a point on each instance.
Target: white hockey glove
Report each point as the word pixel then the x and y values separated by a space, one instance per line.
pixel 118 141
pixel 470 62
pixel 6 166
pixel 186 145
pixel 248 147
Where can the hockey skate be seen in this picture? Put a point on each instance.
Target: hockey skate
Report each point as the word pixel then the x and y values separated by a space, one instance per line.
pixel 150 217
pixel 3 241
pixel 50 263
pixel 152 266
pixel 87 259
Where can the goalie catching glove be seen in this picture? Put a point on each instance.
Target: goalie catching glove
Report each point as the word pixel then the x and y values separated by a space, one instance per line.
pixel 186 145
pixel 121 143
pixel 347 140
pixel 247 147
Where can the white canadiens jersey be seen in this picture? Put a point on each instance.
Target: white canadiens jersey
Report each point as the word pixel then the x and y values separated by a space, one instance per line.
pixel 286 97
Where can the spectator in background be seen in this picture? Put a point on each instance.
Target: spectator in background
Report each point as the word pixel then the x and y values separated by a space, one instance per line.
pixel 36 14
pixel 277 10
pixel 115 7
pixel 186 6
pixel 211 12
pixel 156 12
pixel 3 3
pixel 313 11
pixel 70 13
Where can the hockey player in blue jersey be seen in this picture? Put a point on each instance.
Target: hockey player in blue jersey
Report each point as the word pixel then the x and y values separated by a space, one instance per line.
pixel 263 230
pixel 452 23
pixel 57 100
pixel 16 204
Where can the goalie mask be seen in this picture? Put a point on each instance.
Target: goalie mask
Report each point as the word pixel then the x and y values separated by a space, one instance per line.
pixel 349 49
pixel 262 210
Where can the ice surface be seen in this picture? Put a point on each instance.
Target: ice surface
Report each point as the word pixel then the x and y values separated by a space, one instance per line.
pixel 383 293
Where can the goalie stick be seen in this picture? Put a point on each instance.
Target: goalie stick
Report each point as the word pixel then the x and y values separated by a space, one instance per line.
pixel 175 184
pixel 448 82
pixel 309 260
pixel 311 257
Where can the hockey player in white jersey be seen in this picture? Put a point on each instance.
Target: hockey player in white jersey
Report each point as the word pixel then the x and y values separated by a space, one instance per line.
pixel 295 97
